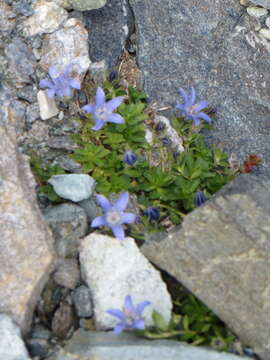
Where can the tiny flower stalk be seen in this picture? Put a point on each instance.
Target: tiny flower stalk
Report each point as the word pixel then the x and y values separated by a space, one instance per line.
pixel 114 216
pixel 130 317
pixel 191 110
pixel 102 111
pixel 199 198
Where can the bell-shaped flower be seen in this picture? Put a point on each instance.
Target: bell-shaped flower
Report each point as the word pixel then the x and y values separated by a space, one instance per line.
pixel 114 215
pixel 102 111
pixel 130 317
pixel 191 110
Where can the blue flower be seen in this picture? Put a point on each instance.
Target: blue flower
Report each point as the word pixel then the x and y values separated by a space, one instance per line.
pixel 102 111
pixel 166 141
pixel 152 213
pixel 160 126
pixel 114 215
pixel 60 84
pixel 191 110
pixel 199 198
pixel 130 317
pixel 129 157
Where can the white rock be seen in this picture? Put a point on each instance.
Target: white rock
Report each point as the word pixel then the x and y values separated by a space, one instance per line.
pixel 267 22
pixel 11 344
pixel 75 187
pixel 148 136
pixel 169 131
pixel 47 18
pixel 256 11
pixel 83 5
pixel 265 33
pixel 47 106
pixel 113 269
pixel 68 45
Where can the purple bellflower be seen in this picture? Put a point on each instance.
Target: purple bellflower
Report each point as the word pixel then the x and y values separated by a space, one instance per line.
pixel 129 157
pixel 191 110
pixel 152 213
pixel 102 111
pixel 60 84
pixel 130 317
pixel 199 198
pixel 114 215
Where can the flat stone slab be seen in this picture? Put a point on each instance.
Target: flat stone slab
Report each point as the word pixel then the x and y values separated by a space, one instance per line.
pixel 213 47
pixel 26 245
pixel 221 253
pixel 107 346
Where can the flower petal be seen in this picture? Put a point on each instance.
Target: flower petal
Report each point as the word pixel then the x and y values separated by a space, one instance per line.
pixel 117 313
pixel 114 103
pixel 45 83
pixel 128 218
pixel 196 120
pixel 98 125
pixel 119 328
pixel 66 91
pixel 100 97
pixel 74 83
pixel 128 304
pixel 140 307
pixel 192 98
pixel 201 105
pixel 115 118
pixel 103 202
pixel 51 92
pixel 89 108
pixel 98 221
pixel 53 72
pixel 184 95
pixel 205 117
pixel 118 232
pixel 122 201
pixel 138 324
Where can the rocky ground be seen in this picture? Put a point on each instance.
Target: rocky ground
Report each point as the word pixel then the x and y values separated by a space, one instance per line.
pixel 58 278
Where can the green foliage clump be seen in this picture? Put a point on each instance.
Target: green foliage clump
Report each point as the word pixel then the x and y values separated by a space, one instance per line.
pixel 158 178
pixel 192 322
pixel 42 174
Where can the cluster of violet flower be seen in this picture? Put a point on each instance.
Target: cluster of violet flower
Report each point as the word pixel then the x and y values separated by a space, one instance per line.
pixel 114 215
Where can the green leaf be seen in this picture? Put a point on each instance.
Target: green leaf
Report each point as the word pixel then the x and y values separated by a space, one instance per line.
pixel 159 321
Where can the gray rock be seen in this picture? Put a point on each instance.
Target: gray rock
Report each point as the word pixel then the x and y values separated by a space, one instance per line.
pixel 68 223
pixel 113 269
pixel 68 164
pixel 91 209
pixel 67 273
pixel 26 247
pixel 23 7
pixel 107 346
pixel 18 111
pixel 7 21
pixel 68 45
pixel 221 254
pixel 27 93
pixel 32 113
pixel 62 143
pixel 47 18
pixel 38 347
pixel 216 50
pixel 22 62
pixel 82 301
pixel 115 19
pixel 75 187
pixel 263 3
pixel 83 5
pixel 11 344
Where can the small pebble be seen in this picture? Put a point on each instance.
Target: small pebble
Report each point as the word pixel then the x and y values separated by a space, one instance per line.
pixel 267 22
pixel 265 33
pixel 256 11
pixel 67 273
pixel 82 301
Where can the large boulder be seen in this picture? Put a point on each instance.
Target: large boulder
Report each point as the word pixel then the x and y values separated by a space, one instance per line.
pixel 107 346
pixel 221 253
pixel 213 47
pixel 26 246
